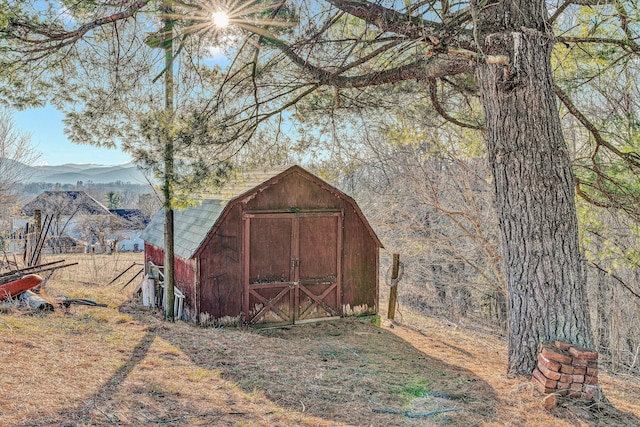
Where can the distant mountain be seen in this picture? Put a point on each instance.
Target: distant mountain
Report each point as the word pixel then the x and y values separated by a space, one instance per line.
pixel 72 173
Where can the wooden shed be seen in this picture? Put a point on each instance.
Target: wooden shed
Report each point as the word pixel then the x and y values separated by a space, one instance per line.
pixel 276 246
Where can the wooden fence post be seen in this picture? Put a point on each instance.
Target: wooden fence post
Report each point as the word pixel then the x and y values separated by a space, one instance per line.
pixel 34 256
pixel 393 293
pixel 37 216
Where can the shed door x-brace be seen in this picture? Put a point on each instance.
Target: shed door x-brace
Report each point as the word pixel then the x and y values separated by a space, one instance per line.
pixel 292 266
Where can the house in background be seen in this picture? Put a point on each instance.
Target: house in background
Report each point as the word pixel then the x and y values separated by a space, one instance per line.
pixel 274 246
pixel 79 222
pixel 127 236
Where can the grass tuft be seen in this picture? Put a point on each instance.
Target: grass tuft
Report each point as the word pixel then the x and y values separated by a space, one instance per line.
pixel 415 387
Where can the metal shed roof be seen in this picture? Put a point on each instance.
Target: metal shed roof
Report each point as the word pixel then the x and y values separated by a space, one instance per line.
pixel 191 226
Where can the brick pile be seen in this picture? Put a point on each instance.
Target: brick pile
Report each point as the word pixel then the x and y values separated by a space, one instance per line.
pixel 567 370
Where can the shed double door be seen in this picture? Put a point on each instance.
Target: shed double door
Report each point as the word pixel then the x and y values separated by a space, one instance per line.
pixel 292 266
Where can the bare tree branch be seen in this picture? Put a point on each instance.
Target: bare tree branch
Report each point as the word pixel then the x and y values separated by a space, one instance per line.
pixel 625 44
pixel 591 2
pixel 433 95
pixel 630 158
pixel 389 20
pixel 51 39
pixel 559 11
pixel 422 69
pixel 619 280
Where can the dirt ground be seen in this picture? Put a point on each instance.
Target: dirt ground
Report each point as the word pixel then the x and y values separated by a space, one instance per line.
pixel 122 365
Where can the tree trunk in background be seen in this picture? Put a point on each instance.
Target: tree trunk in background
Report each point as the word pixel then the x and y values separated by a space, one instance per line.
pixel 604 298
pixel 534 184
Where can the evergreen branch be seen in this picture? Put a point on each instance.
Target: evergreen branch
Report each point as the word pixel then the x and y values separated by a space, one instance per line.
pixel 589 199
pixel 388 20
pixel 421 69
pixel 609 198
pixel 612 200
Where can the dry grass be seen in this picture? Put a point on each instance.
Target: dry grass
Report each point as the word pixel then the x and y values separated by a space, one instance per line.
pixel 122 365
pixel 518 402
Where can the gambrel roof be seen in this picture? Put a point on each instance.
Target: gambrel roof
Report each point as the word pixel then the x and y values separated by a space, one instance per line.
pixel 192 225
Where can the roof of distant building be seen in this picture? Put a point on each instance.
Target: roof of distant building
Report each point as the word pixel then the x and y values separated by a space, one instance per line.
pixel 134 216
pixel 65 203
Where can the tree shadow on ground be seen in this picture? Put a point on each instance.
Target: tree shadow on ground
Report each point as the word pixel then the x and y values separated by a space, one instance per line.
pixel 344 370
pixel 142 392
pixel 98 406
pixel 599 414
pixel 328 373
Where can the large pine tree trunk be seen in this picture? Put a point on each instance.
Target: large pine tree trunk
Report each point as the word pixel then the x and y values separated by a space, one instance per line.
pixel 534 184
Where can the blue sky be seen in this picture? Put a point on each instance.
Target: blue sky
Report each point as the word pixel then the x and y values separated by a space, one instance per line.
pixel 47 135
pixel 47 132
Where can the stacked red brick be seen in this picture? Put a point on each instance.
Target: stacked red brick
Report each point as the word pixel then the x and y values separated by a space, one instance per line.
pixel 567 370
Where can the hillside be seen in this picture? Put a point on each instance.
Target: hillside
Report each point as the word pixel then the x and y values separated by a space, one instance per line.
pixel 72 173
pixel 122 365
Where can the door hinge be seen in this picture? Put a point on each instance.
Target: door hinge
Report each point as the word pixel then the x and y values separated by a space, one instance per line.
pixel 295 262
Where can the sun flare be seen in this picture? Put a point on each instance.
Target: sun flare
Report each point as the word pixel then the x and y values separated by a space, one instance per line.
pixel 220 19
pixel 247 15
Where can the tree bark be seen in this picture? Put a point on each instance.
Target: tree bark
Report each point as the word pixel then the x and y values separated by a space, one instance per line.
pixel 169 260
pixel 604 298
pixel 534 184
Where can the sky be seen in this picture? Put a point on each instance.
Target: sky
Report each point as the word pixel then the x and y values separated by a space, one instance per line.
pixel 47 133
pixel 47 136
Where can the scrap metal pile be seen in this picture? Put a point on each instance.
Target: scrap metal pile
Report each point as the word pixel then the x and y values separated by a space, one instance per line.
pixel 21 282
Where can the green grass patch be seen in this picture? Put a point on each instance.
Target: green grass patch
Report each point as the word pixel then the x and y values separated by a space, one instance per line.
pixel 415 387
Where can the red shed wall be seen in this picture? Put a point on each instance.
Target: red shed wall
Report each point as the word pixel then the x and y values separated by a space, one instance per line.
pixel 221 287
pixel 184 276
pixel 153 253
pixel 221 276
pixel 360 266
